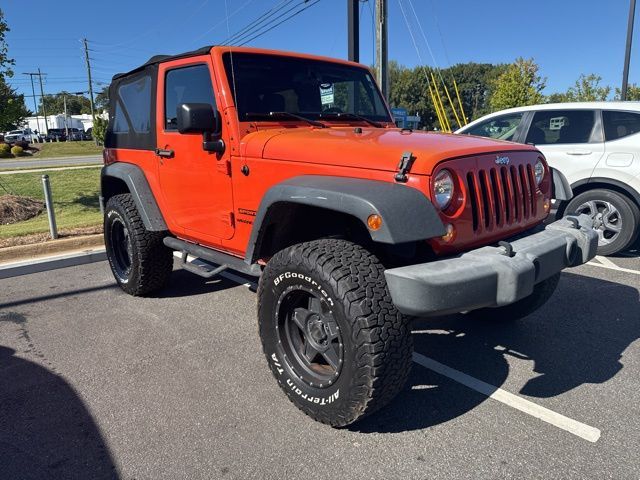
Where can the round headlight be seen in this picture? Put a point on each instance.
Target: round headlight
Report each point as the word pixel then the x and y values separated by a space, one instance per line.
pixel 443 187
pixel 538 171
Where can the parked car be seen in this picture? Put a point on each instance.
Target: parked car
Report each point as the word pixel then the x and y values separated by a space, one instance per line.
pixel 76 134
pixel 24 135
pixel 348 221
pixel 56 135
pixel 596 145
pixel 88 134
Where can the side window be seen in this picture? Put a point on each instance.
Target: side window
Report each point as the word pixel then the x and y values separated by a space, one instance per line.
pixel 561 126
pixel 620 124
pixel 136 99
pixel 501 128
pixel 120 122
pixel 186 85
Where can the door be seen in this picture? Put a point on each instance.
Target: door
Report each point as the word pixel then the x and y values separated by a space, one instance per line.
pixel 196 184
pixel 571 140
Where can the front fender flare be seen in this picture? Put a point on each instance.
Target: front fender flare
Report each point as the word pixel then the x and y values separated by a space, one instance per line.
pixel 407 214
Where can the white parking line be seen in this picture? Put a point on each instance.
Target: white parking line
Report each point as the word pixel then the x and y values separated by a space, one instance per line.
pixel 604 262
pixel 579 429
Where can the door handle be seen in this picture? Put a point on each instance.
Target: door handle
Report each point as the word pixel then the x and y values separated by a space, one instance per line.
pixel 164 153
pixel 579 152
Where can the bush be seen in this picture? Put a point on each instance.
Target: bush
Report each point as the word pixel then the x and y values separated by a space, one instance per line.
pixel 17 151
pixel 99 130
pixel 5 150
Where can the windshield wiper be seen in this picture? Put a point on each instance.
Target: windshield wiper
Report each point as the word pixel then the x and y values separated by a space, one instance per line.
pixel 289 115
pixel 354 116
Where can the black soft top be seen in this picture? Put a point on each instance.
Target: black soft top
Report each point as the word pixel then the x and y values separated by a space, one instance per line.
pixel 164 58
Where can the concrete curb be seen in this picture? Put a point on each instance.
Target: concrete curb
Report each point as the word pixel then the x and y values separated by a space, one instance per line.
pixel 32 251
pixel 15 269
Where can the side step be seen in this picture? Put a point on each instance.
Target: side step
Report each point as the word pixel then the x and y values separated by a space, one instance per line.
pixel 210 256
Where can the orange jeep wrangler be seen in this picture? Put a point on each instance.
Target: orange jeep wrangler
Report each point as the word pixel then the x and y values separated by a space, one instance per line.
pixel 289 168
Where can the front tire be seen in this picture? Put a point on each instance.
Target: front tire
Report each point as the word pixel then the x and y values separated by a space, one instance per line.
pixel 140 262
pixel 616 219
pixel 332 337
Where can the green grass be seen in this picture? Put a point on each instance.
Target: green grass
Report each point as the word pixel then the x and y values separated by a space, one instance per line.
pixel 67 149
pixel 75 199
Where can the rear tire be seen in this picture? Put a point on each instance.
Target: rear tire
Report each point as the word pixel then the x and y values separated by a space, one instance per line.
pixel 616 218
pixel 140 262
pixel 542 292
pixel 335 342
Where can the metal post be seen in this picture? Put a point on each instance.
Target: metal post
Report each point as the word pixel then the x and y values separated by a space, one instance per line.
pixel 49 203
pixel 627 54
pixel 353 23
pixel 382 58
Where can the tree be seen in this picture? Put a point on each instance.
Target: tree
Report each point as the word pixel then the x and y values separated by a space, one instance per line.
pixel 587 89
pixel 5 62
pixel 102 98
pixel 12 108
pixel 99 130
pixel 518 86
pixel 76 104
pixel 633 93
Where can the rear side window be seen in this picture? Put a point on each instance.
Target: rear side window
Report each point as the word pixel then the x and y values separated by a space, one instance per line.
pixel 501 128
pixel 620 124
pixel 136 102
pixel 561 126
pixel 186 85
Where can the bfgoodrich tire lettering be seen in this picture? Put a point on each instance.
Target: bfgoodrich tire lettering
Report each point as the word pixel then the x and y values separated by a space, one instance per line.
pixel 360 345
pixel 140 262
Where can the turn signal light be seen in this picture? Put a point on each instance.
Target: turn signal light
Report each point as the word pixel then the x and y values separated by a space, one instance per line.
pixel 451 233
pixel 547 205
pixel 374 221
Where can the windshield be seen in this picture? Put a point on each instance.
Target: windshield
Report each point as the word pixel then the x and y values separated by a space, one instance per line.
pixel 310 88
pixel 15 132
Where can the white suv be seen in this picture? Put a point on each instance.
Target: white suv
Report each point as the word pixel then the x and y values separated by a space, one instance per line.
pixel 597 147
pixel 25 135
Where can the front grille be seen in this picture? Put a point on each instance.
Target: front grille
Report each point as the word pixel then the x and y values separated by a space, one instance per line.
pixel 501 196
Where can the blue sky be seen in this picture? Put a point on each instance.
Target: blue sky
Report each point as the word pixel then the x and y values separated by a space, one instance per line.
pixel 565 37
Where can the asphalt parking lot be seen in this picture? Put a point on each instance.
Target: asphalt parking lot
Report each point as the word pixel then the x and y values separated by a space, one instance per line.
pixel 97 384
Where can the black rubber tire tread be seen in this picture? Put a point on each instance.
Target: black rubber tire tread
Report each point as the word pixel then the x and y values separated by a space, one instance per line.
pixel 542 292
pixel 380 333
pixel 627 208
pixel 152 261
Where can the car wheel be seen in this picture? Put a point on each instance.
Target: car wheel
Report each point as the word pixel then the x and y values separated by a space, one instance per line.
pixel 615 218
pixel 140 262
pixel 335 342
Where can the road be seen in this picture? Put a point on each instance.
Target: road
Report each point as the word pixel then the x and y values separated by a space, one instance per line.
pixel 98 384
pixel 50 162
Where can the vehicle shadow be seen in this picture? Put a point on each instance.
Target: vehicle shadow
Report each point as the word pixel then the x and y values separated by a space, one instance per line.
pixel 46 431
pixel 187 284
pixel 578 337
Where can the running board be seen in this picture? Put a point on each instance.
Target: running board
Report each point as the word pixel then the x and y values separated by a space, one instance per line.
pixel 210 256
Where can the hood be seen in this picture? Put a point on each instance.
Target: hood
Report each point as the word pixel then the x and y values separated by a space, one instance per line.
pixel 374 148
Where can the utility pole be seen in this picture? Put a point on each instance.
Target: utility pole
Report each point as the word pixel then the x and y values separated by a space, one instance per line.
pixel 382 57
pixel 86 57
pixel 627 54
pixel 35 102
pixel 44 109
pixel 353 23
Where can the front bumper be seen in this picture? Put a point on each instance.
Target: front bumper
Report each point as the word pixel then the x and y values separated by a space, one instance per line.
pixel 492 276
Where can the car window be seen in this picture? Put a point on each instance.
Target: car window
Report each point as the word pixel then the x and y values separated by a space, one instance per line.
pixel 561 126
pixel 620 124
pixel 186 85
pixel 502 128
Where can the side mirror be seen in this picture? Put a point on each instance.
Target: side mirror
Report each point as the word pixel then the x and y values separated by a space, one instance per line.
pixel 201 118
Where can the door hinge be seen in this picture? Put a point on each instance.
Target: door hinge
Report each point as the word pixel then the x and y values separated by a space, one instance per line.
pixel 224 166
pixel 227 218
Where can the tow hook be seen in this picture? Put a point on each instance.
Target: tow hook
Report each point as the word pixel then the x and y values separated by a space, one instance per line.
pixel 508 248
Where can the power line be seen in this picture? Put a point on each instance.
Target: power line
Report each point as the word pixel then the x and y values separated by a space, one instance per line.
pixel 257 21
pixel 308 4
